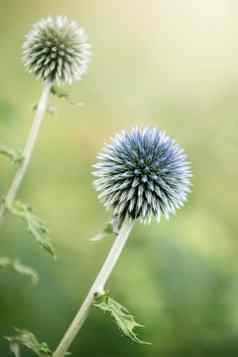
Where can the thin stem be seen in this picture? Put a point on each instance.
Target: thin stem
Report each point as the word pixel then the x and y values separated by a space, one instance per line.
pixel 97 287
pixel 28 149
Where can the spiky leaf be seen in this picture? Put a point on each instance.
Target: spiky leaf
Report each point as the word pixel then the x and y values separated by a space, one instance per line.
pixel 35 225
pixel 123 318
pixel 16 266
pixel 27 339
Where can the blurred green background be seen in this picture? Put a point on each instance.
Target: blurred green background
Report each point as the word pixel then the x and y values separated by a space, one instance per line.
pixel 172 64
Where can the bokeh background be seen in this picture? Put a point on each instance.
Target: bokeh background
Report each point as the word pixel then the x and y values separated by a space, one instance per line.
pixel 172 64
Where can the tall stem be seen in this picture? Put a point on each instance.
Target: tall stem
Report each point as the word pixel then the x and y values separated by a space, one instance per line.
pixel 28 149
pixel 97 287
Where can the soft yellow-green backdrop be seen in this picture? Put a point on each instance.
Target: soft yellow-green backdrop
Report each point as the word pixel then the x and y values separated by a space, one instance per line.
pixel 172 64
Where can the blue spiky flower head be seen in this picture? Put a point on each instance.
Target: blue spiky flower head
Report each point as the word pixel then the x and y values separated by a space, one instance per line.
pixel 141 174
pixel 56 50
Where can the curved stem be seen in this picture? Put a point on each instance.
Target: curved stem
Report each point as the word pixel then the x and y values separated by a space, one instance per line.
pixel 97 287
pixel 28 149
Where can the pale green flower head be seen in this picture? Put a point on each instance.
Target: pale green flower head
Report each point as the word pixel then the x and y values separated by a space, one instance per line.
pixel 56 50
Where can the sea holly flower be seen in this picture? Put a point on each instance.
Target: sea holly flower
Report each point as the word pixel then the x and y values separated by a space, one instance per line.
pixel 141 174
pixel 56 50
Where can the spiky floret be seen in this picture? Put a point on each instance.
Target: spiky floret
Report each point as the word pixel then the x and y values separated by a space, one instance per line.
pixel 141 174
pixel 56 49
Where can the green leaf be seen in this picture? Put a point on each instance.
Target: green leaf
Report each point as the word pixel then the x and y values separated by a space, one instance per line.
pixel 27 339
pixel 15 348
pixel 16 266
pixel 35 226
pixel 106 232
pixel 111 228
pixel 15 156
pixel 123 318
pixel 58 92
pixel 50 109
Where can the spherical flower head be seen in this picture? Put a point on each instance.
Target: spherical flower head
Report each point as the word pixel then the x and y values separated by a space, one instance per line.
pixel 56 50
pixel 142 174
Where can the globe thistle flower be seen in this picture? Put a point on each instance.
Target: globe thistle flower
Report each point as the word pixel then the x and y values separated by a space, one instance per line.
pixel 142 174
pixel 56 50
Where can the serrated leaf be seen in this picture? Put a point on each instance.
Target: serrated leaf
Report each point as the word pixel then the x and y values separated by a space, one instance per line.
pixel 15 156
pixel 123 318
pixel 35 225
pixel 27 339
pixel 16 266
pixel 58 92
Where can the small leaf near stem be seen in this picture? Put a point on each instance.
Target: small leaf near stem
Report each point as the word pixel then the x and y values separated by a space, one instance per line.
pixel 123 318
pixel 50 109
pixel 27 339
pixel 105 233
pixel 16 156
pixel 110 229
pixel 35 226
pixel 16 266
pixel 58 92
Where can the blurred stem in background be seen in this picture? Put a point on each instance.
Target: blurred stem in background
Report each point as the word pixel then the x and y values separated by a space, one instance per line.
pixel 96 289
pixel 28 149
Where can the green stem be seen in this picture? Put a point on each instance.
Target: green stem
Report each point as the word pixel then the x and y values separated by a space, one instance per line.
pixel 97 288
pixel 27 152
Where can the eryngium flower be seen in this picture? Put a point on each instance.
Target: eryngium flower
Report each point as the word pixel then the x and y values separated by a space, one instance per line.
pixel 142 174
pixel 56 50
